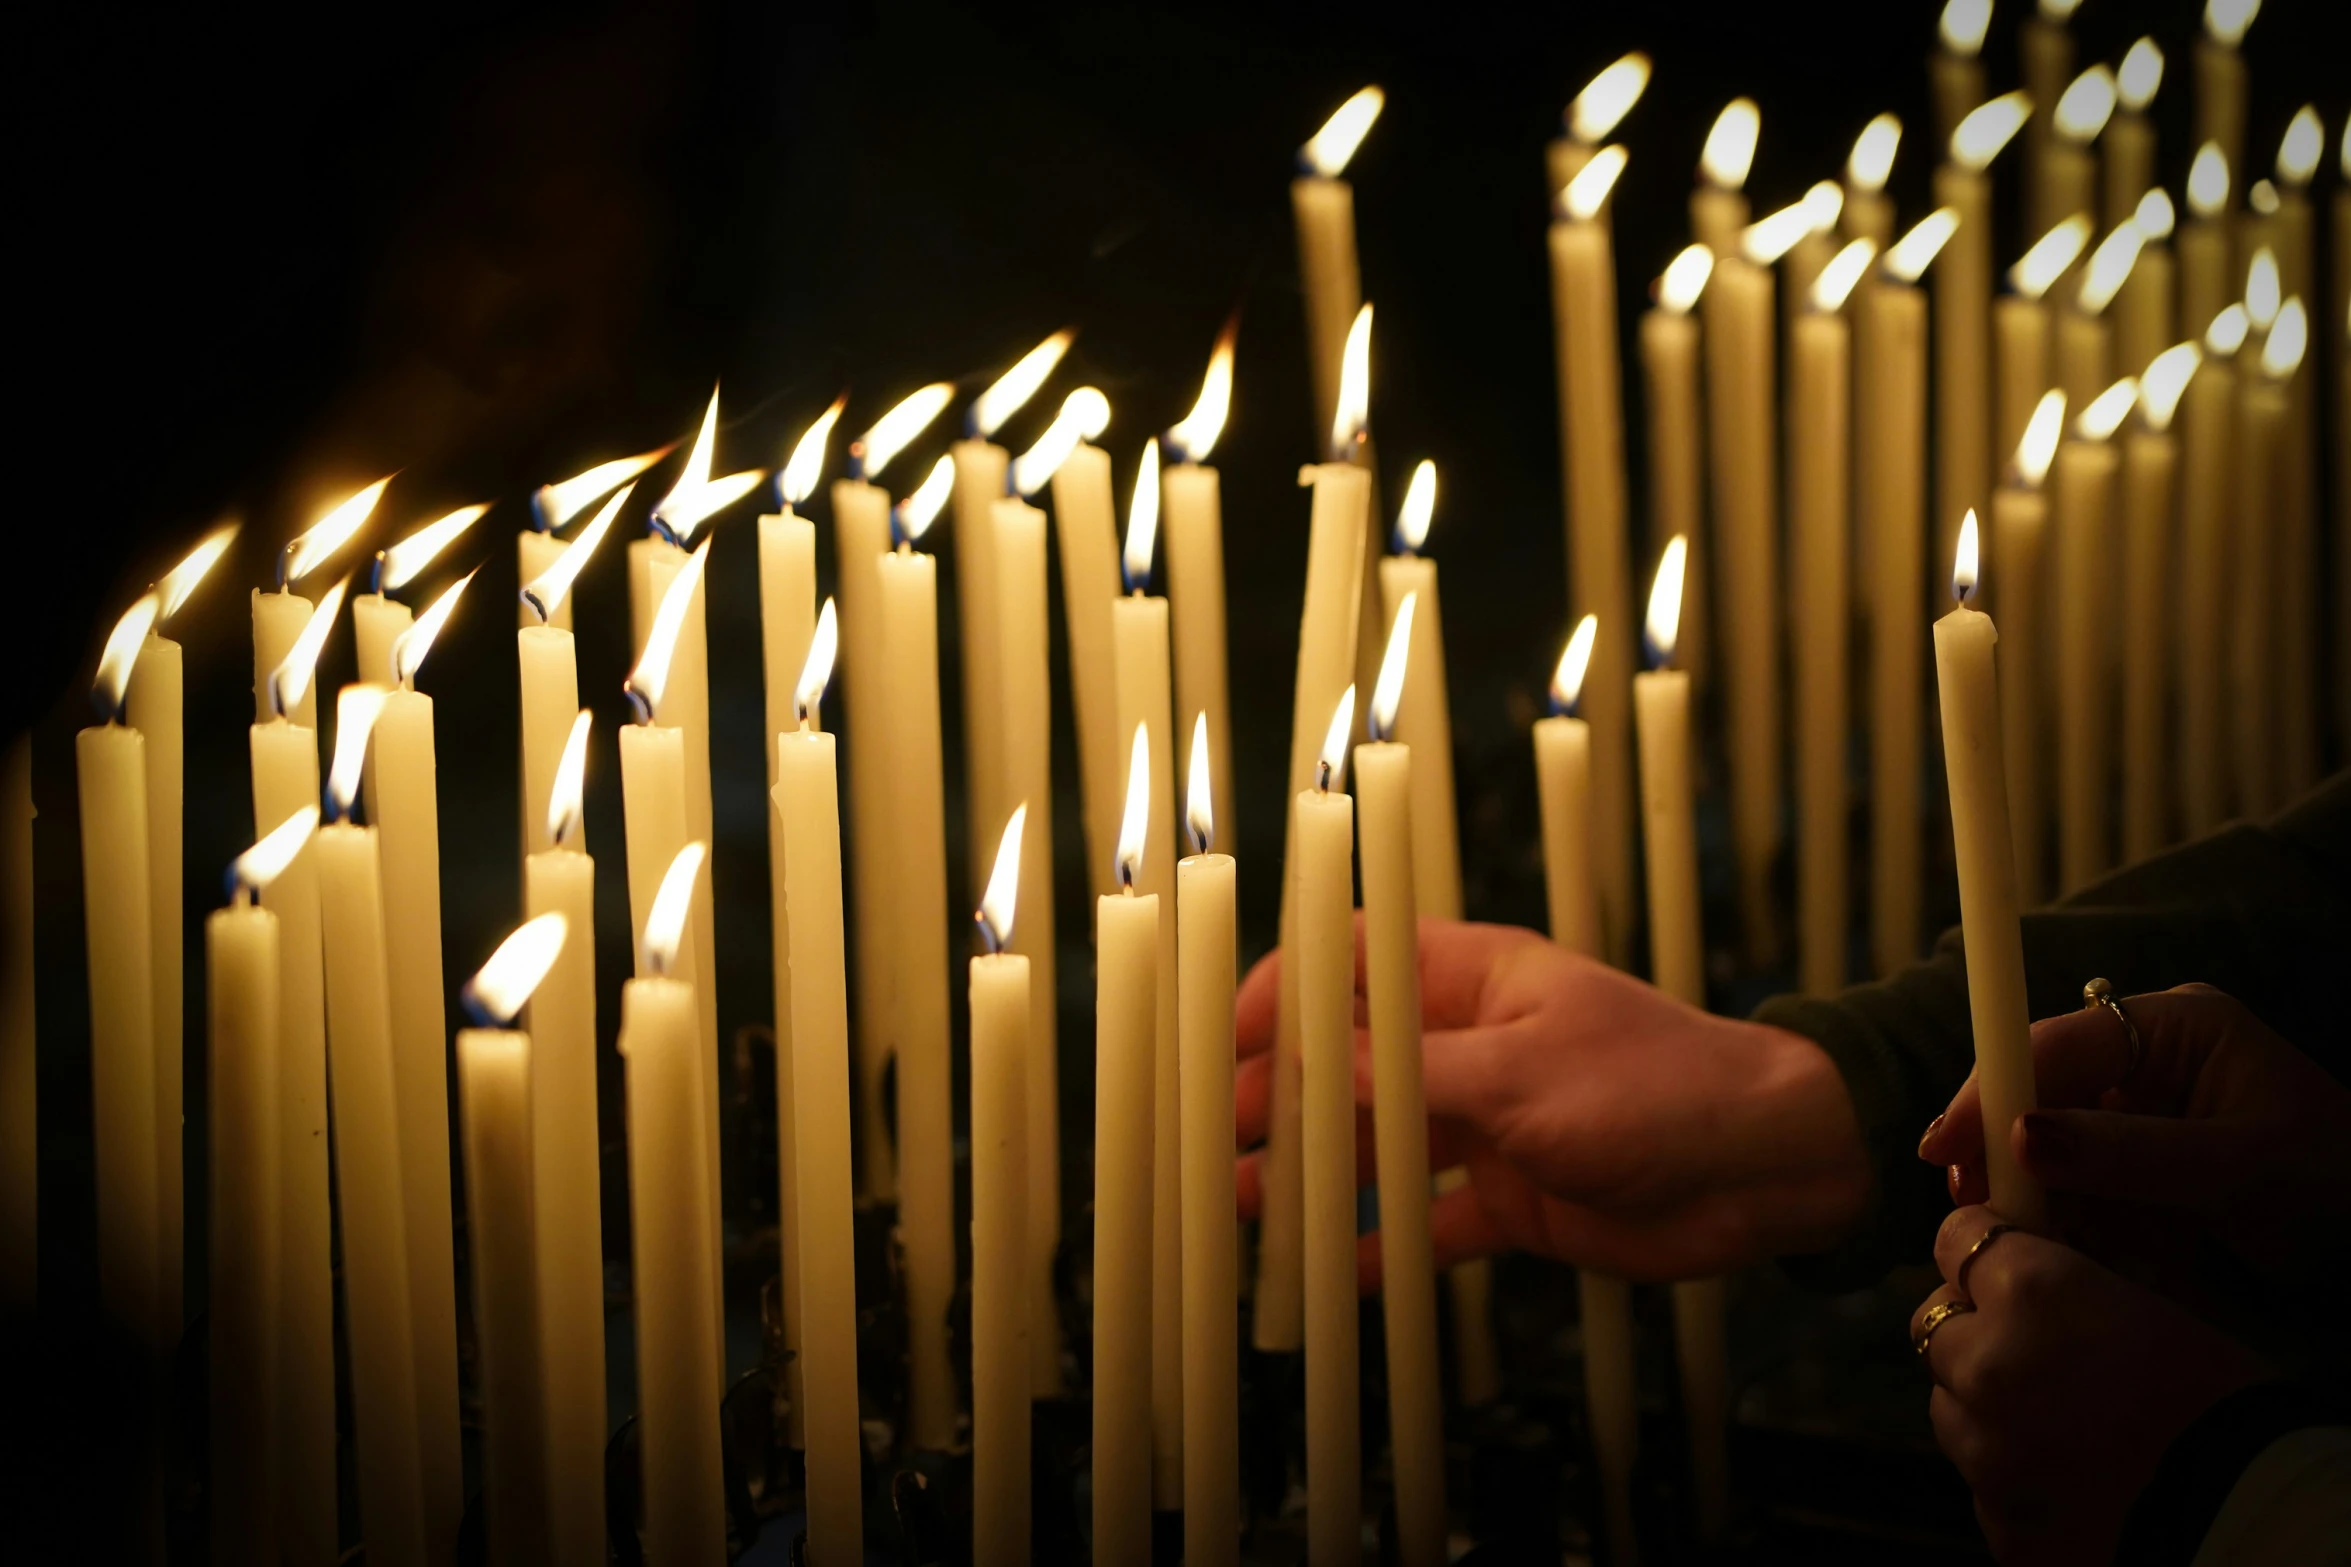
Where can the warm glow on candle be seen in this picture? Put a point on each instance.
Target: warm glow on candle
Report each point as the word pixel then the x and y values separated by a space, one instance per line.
pixel 2262 197
pixel 1663 623
pixel 1685 279
pixel 546 592
pixel 1872 158
pixel 1908 257
pixel 1608 98
pixel 1964 25
pixel 258 866
pixel 895 429
pixel 496 995
pixel 1333 771
pixel 2227 333
pixel 1964 567
pixel 647 681
pixel 915 514
pixel 2262 291
pixel 1326 152
pixel 2051 254
pixel 2226 20
pixel 356 710
pixel 1420 504
pixel 290 681
pixel 665 922
pixel 1134 824
pixel 411 555
pixel 2107 410
pixel 1567 680
pixel 1199 802
pixel 1977 140
pixel 684 514
pixel 121 653
pixel 1196 437
pixel 2289 335
pixel 1730 146
pixel 566 795
pixel 1387 692
pixel 2109 265
pixel 179 582
pixel 2155 216
pixel 331 532
pixel 2164 380
pixel 1844 270
pixel 2085 106
pixel 1353 411
pixel 1770 237
pixel 696 472
pixel 806 464
pixel 2299 149
pixel 1588 192
pixel 1085 413
pixel 410 647
pixel 2058 10
pixel 816 672
pixel 1017 385
pixel 2208 181
pixel 2141 74
pixel 1826 203
pixel 1134 559
pixel 999 902
pixel 556 504
pixel 2038 449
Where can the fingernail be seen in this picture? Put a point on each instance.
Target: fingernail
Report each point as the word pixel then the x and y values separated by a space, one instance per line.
pixel 2049 1142
pixel 1953 1175
pixel 1928 1136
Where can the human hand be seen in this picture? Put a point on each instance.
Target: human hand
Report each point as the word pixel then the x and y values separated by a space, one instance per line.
pixel 2224 1134
pixel 2058 1394
pixel 1601 1121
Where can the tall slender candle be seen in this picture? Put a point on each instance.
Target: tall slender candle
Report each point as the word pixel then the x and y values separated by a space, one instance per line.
pixel 2068 169
pixel 1000 1000
pixel 2300 657
pixel 2220 80
pixel 2020 524
pixel 2143 312
pixel 2150 516
pixel 2255 698
pixel 1971 693
pixel 548 661
pixel 280 618
pixel 1192 496
pixel 2207 502
pixel 1718 208
pixel 1815 242
pixel 1087 524
pixel 2206 286
pixel 2128 147
pixel 2085 340
pixel 1868 212
pixel 1591 115
pixel 537 549
pixel 1669 367
pixel 2086 555
pixel 1963 279
pixel 1424 719
pixel 2021 326
pixel 378 619
pixel 2044 50
pixel 1956 70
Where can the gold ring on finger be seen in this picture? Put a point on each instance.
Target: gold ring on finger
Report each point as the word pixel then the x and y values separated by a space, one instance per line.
pixel 1959 1276
pixel 1935 1319
pixel 2100 993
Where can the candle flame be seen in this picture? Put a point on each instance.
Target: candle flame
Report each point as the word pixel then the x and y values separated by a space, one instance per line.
pixel 1989 126
pixel 816 671
pixel 546 592
pixel 1963 26
pixel 1608 97
pixel 1016 386
pixel 1332 772
pixel 357 708
pixel 2038 449
pixel 2109 266
pixel 404 560
pixel 1685 279
pixel 556 504
pixel 683 515
pixel 290 681
pixel 2163 382
pixel 1663 623
pixel 1567 679
pixel 1085 413
pixel 1199 804
pixel 2140 75
pixel 696 472
pixel 1770 237
pixel 1588 192
pixel 1196 436
pixel 1730 146
pixel 1844 269
pixel 1826 203
pixel 2155 216
pixel 2051 254
pixel 1872 158
pixel 1420 504
pixel 916 513
pixel 262 864
pixel 410 647
pixel 331 532
pixel 806 464
pixel 181 581
pixel 999 902
pixel 2262 197
pixel 1326 152
pixel 2208 181
pixel 2105 413
pixel 1964 565
pixel 1908 257
pixel 650 678
pixel 496 995
pixel 121 654
pixel 2281 353
pixel 2225 21
pixel 1387 692
pixel 1134 826
pixel 2086 105
pixel 2263 293
pixel 1142 521
pixel 2227 333
pixel 566 796
pixel 2298 150
pixel 1353 412
pixel 902 424
pixel 665 922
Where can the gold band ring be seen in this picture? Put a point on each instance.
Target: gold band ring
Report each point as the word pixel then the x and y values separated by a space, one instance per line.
pixel 1935 1319
pixel 2099 993
pixel 1959 1275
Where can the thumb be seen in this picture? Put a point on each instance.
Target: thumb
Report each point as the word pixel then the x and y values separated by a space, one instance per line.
pixel 2192 1165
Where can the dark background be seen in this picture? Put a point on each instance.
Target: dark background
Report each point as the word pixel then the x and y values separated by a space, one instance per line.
pixel 267 260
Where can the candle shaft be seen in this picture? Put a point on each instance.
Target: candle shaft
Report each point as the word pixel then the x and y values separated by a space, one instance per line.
pixel 376 623
pixel 2255 641
pixel 1891 468
pixel 999 1260
pixel 861 518
pixel 534 552
pixel 979 485
pixel 2220 103
pixel 1424 722
pixel 241 973
pixel 494 1091
pixel 1325 956
pixel 154 709
pixel 2207 503
pixel 1193 518
pixel 278 619
pixel 1083 513
pixel 2127 153
pixel 2084 361
pixel 1125 1066
pixel 1958 82
pixel 1963 291
pixel 2084 484
pixel 2142 311
pixel 1819 491
pixel 685 706
pixel 2149 515
pixel 549 662
pixel 2298 569
pixel 2022 372
pixel 1205 970
pixel 1324 210
pixel 1716 217
pixel 2020 525
pixel 2206 286
pixel 1669 365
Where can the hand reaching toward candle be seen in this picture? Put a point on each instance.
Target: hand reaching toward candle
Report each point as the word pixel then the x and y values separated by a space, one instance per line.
pixel 1601 1121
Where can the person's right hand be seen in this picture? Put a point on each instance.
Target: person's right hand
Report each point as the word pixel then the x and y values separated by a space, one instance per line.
pixel 2224 1134
pixel 1601 1121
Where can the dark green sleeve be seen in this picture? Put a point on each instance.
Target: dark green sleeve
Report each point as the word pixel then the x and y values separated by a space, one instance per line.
pixel 2262 912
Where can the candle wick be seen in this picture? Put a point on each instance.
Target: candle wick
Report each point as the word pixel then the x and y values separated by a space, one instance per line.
pixel 530 596
pixel 637 701
pixel 285 558
pixel 375 578
pixel 1322 778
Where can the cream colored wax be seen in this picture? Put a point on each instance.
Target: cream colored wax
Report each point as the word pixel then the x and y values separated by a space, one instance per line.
pixel 1125 1066
pixel 1820 384
pixel 1088 529
pixel 2020 533
pixel 1194 523
pixel 154 708
pixel 1890 429
pixel 1324 954
pixel 1207 952
pixel 999 1260
pixel 241 989
pixel 861 523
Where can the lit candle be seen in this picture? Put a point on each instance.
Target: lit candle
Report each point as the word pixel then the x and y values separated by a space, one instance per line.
pixel 370 1197
pixel 549 664
pixel 20 1168
pixel 670 1203
pixel 2085 343
pixel 2020 524
pixel 1326 657
pixel 1963 284
pixel 807 801
pixel 2150 514
pixel 561 1020
pixel 1408 1281
pixel 1956 70
pixel 2142 311
pixel 1867 211
pixel 2220 80
pixel 861 522
pixel 2086 632
pixel 2207 506
pixel 1815 242
pixel 1669 366
pixel 537 548
pixel 279 617
pixel 1591 115
pixel 241 966
pixel 2205 287
pixel 1718 208
pixel 2255 699
pixel 1669 834
pixel 999 1241
pixel 2044 50
pixel 2067 170
pixel 2020 321
pixel 2129 149
pixel 1085 519
pixel 979 484
pixel 1126 1012
pixel 1971 694
pixel 1324 206
pixel 377 619
pixel 1139 655
pixel 1591 413
pixel 2299 656
pixel 496 1065
pixel 1206 954
pixel 1890 469
pixel 1423 718
pixel 1192 495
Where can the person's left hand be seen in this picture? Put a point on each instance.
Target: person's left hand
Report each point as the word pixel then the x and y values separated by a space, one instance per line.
pixel 2057 1396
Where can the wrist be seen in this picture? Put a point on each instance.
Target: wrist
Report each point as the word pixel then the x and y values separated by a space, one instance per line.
pixel 1793 1141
